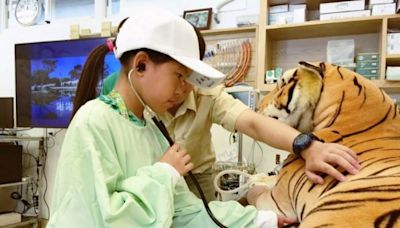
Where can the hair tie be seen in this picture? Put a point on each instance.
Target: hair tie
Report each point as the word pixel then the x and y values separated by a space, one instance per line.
pixel 110 44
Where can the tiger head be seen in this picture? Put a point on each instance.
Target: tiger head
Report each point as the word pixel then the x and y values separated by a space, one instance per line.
pixel 294 99
pixel 330 101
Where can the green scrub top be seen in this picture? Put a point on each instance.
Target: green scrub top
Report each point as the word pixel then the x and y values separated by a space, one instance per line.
pixel 107 177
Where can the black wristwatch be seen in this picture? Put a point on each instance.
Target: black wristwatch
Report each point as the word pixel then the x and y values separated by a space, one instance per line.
pixel 302 142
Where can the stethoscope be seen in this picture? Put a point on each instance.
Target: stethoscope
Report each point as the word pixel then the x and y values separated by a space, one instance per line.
pixel 160 125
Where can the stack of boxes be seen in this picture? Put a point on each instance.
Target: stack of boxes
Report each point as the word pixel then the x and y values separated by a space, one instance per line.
pixel 382 7
pixel 393 48
pixel 286 14
pixel 367 64
pixel 343 9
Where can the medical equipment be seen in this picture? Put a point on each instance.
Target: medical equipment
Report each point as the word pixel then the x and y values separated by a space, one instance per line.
pixel 246 180
pixel 231 185
pixel 160 125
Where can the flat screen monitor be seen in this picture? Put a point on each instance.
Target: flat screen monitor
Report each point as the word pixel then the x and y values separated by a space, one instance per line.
pixel 246 94
pixel 7 112
pixel 47 74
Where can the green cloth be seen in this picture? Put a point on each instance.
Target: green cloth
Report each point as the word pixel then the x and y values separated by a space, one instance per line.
pixel 109 83
pixel 106 177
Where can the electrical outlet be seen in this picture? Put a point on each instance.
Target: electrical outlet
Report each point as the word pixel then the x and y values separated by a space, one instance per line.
pixel 277 159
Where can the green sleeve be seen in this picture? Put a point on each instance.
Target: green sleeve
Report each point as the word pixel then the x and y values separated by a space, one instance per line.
pixel 109 83
pixel 190 211
pixel 100 194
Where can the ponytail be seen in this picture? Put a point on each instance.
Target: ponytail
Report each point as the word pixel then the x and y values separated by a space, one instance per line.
pixel 92 72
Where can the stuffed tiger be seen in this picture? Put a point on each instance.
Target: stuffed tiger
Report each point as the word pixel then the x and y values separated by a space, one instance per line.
pixel 340 106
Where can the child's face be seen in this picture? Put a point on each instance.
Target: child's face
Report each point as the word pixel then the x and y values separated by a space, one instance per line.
pixel 166 86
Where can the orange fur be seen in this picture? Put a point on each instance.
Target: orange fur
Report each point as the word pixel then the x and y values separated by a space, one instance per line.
pixel 352 111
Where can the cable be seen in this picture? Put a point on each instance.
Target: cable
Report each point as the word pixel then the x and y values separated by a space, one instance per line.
pixel 160 125
pixel 164 131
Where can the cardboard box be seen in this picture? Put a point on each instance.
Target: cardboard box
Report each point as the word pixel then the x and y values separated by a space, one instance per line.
pixel 393 73
pixel 393 43
pixel 374 2
pixel 280 18
pixel 384 9
pixel 334 16
pixel 342 6
pixel 279 8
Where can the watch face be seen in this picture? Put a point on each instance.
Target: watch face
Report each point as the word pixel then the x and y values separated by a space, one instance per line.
pixel 27 11
pixel 301 142
pixel 303 139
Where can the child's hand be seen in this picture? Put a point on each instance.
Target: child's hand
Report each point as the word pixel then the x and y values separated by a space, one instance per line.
pixel 178 158
pixel 286 222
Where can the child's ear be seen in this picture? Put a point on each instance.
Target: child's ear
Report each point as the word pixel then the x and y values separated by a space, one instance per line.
pixel 141 67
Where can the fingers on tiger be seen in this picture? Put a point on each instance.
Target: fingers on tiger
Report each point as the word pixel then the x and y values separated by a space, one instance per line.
pixel 331 171
pixel 315 178
pixel 347 150
pixel 346 161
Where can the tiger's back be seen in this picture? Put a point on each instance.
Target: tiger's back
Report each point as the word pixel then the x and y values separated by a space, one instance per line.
pixel 352 111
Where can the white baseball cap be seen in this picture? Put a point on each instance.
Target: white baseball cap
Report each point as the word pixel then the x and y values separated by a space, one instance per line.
pixel 162 31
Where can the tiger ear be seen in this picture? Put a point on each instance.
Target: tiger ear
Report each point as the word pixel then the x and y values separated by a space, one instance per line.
pixel 317 69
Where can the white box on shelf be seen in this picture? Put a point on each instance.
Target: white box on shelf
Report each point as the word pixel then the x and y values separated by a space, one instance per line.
pixel 279 8
pixel 340 51
pixel 384 9
pixel 297 6
pixel 374 2
pixel 334 16
pixel 393 73
pixel 393 43
pixel 334 7
pixel 280 18
pixel 299 15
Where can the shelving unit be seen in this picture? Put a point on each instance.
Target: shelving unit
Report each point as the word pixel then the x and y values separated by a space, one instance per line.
pixel 26 221
pixel 285 45
pixel 31 221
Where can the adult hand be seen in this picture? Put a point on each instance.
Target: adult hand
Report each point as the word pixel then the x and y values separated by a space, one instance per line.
pixel 284 221
pixel 178 158
pixel 325 157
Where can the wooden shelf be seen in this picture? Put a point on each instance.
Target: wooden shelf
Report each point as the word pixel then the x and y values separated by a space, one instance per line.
pixel 25 222
pixel 393 60
pixel 312 29
pixel 13 184
pixel 267 87
pixel 19 138
pixel 229 30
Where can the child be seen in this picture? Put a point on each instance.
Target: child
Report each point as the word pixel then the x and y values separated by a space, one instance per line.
pixel 115 167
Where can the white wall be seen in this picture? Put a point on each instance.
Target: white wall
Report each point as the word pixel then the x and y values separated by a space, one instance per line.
pixel 59 30
pixel 260 154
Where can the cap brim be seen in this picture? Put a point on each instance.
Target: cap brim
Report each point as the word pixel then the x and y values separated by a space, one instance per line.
pixel 203 76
